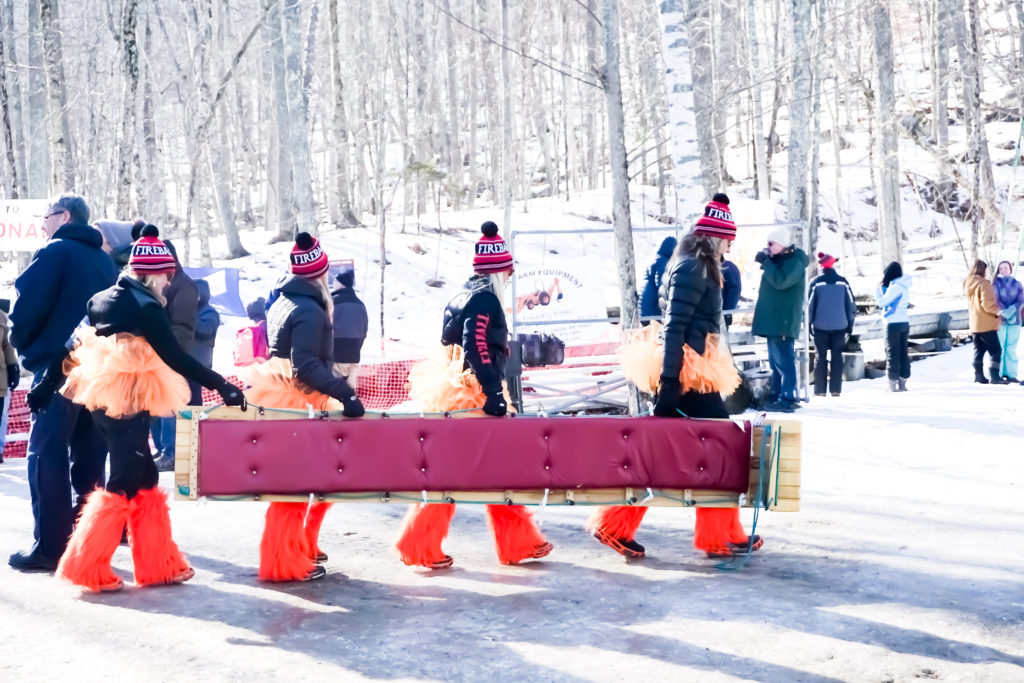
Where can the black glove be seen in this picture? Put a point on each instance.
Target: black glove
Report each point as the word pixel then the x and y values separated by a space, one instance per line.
pixel 233 396
pixel 353 407
pixel 39 397
pixel 667 404
pixel 13 375
pixel 761 256
pixel 495 405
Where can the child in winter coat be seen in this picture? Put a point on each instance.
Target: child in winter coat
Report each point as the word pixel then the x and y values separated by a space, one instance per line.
pixel 893 297
pixel 1010 296
pixel 983 314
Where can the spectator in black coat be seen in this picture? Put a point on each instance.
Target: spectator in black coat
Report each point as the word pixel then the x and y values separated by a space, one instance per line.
pixel 652 285
pixel 207 324
pixel 51 297
pixel 350 326
pixel 830 313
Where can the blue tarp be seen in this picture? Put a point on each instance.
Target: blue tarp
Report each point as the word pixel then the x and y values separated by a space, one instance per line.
pixel 224 296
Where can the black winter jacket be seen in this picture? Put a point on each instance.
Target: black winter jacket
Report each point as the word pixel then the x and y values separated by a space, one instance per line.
pixel 298 329
pixel 476 321
pixel 52 293
pixel 831 307
pixel 693 311
pixel 130 307
pixel 350 325
pixel 182 305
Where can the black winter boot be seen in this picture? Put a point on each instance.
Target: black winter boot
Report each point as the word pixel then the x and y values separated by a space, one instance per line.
pixel 979 375
pixel 993 372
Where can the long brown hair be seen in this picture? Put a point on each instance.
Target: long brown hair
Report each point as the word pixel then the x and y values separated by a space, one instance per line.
pixel 706 250
pixel 979 268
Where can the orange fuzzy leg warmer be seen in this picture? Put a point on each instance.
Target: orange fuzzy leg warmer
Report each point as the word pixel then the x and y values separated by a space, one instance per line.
pixel 516 535
pixel 314 519
pixel 284 551
pixel 716 527
pixel 155 554
pixel 86 562
pixel 424 527
pixel 620 521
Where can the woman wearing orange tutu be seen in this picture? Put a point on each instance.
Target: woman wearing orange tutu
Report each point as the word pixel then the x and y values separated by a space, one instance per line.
pixel 470 375
pixel 693 376
pixel 299 374
pixel 126 367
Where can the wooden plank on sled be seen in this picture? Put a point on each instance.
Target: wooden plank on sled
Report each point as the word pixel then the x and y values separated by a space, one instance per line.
pixel 781 489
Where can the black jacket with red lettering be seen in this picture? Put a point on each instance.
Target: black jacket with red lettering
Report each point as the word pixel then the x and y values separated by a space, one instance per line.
pixel 475 320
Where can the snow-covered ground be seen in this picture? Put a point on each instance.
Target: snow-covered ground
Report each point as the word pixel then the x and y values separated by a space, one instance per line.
pixel 903 563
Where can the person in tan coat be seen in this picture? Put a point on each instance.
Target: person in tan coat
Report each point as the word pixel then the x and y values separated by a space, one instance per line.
pixel 10 371
pixel 983 311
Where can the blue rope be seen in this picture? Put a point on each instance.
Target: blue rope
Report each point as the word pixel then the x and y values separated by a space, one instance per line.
pixel 738 563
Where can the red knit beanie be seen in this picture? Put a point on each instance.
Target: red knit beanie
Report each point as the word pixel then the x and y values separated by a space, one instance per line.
pixel 826 260
pixel 717 219
pixel 149 255
pixel 492 254
pixel 308 257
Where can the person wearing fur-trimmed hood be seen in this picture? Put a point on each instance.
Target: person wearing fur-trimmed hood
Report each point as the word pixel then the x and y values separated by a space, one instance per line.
pixel 125 367
pixel 471 373
pixel 692 376
pixel 300 373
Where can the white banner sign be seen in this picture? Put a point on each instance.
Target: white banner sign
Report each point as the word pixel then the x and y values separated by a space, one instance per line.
pixel 559 294
pixel 21 224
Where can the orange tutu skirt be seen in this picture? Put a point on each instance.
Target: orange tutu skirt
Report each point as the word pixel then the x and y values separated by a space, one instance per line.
pixel 273 385
pixel 443 382
pixel 122 375
pixel 641 357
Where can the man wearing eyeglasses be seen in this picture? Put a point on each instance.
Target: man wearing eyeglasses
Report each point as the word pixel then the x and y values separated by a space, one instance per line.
pixel 65 450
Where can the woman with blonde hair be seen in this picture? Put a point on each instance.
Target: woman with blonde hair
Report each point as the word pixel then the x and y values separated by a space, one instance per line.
pixel 299 374
pixel 126 367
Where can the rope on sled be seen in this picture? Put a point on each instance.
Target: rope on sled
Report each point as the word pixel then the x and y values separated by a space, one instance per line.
pixel 738 562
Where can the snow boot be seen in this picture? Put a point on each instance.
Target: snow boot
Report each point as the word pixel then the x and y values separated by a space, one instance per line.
pixel 424 528
pixel 284 551
pixel 315 518
pixel 516 536
pixel 155 554
pixel 902 381
pixel 979 375
pixel 894 386
pixel 615 527
pixel 86 562
pixel 994 374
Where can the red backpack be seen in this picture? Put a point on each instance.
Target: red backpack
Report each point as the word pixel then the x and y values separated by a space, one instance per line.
pixel 251 345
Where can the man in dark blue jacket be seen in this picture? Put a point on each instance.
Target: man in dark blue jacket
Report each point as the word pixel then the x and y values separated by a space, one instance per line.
pixel 64 448
pixel 830 313
pixel 350 326
pixel 649 298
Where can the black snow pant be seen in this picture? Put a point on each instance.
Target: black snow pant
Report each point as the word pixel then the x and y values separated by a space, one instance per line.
pixel 694 404
pixel 987 341
pixel 897 337
pixel 131 462
pixel 828 360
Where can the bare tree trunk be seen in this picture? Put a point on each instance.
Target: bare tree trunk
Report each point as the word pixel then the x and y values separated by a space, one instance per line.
pixel 590 128
pixel 152 202
pixel 818 70
pixel 506 128
pixel 799 114
pixel 702 69
pixel 620 176
pixel 456 178
pixel 14 94
pixel 940 83
pixel 298 123
pixel 762 188
pixel 220 175
pixel 62 163
pixel 889 224
pixel 5 123
pixel 346 218
pixel 130 73
pixel 682 128
pixel 285 183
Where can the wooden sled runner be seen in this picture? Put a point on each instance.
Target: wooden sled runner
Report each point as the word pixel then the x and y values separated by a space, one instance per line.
pixel 270 455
